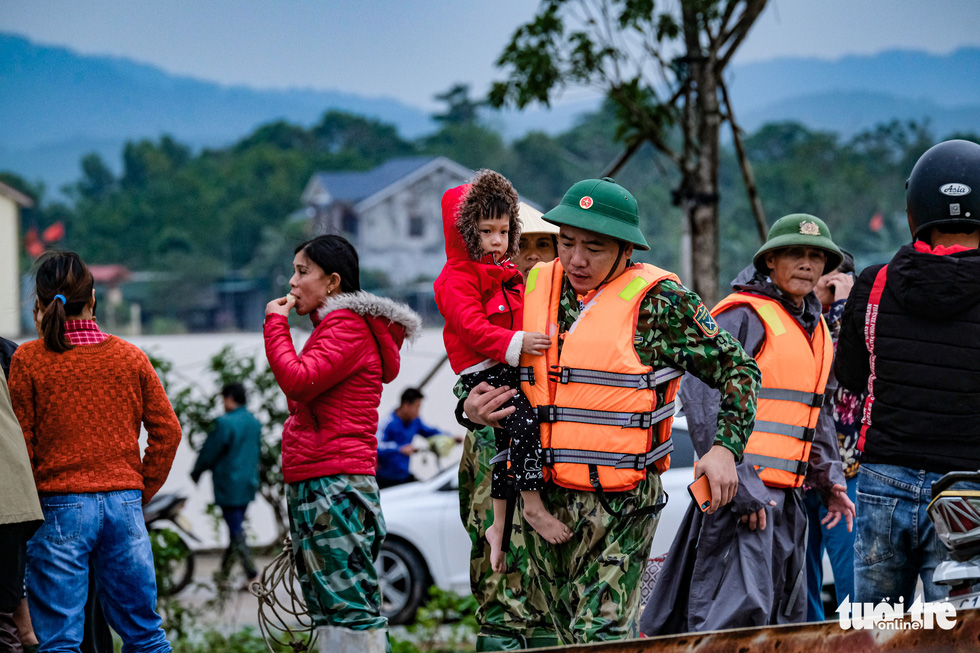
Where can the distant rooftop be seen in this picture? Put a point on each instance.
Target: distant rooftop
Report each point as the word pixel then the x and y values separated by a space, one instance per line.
pixel 352 187
pixel 16 195
pixel 113 274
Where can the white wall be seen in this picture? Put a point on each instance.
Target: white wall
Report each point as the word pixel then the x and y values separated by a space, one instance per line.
pixel 383 242
pixel 9 264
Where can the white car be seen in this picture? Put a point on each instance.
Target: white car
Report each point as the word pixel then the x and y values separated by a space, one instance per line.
pixel 427 544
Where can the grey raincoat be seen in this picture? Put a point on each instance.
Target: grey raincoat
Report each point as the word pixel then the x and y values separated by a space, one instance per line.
pixel 719 574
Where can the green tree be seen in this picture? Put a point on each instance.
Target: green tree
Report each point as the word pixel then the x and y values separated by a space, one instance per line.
pixel 460 108
pixel 675 103
pixel 280 134
pixel 97 179
pixel 372 140
pixel 472 145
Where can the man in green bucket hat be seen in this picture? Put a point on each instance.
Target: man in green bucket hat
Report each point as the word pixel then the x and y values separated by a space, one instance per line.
pixel 756 549
pixel 624 332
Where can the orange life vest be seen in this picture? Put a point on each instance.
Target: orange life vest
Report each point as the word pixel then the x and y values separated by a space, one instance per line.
pixel 794 370
pixel 600 424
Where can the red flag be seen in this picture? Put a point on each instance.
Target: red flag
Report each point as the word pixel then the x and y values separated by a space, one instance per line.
pixel 33 246
pixel 54 233
pixel 877 222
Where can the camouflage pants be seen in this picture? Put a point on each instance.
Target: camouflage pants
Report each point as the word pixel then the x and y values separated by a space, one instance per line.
pixel 512 614
pixel 592 581
pixel 337 530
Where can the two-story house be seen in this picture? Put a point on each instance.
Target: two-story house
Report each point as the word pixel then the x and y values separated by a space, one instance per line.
pixel 391 214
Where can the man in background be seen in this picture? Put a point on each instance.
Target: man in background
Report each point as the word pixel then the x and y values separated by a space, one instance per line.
pixel 909 338
pixel 395 441
pixel 231 453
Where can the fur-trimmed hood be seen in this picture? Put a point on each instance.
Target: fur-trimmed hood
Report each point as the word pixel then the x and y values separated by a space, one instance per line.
pixel 366 304
pixel 462 208
pixel 390 323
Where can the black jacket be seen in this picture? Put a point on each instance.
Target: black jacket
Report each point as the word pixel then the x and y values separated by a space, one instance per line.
pixel 926 410
pixel 7 349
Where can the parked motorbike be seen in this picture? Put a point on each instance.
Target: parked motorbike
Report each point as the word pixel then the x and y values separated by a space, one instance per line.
pixel 433 455
pixel 956 516
pixel 173 535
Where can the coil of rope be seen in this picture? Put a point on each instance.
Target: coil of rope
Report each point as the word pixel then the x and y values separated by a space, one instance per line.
pixel 283 617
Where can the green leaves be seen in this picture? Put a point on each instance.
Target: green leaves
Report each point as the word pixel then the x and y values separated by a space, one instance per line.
pixel 195 403
pixel 443 625
pixel 534 55
pixel 636 14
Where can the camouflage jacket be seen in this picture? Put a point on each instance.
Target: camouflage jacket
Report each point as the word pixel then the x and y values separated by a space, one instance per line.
pixel 674 329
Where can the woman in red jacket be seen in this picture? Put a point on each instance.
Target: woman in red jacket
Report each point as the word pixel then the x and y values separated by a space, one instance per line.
pixel 329 442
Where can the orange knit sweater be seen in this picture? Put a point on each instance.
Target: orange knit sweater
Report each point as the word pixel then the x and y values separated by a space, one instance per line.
pixel 81 412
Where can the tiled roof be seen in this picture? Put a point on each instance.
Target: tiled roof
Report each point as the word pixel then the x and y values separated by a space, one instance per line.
pixel 352 187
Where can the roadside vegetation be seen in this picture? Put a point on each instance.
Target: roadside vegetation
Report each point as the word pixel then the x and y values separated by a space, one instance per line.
pixel 184 219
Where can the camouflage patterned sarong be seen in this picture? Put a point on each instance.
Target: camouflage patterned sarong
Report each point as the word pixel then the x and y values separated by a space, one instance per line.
pixel 511 611
pixel 337 530
pixel 592 581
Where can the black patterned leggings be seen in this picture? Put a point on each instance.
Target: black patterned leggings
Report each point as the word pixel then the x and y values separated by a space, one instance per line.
pixel 521 433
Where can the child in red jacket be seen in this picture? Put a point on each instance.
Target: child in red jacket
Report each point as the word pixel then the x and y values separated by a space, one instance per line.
pixel 480 294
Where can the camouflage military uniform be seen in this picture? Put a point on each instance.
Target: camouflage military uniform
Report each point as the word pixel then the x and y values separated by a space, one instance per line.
pixel 512 614
pixel 592 581
pixel 337 530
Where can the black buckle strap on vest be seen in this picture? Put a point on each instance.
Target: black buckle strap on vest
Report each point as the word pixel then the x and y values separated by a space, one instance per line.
pixel 636 461
pixel 803 433
pixel 798 467
pixel 548 414
pixel 811 399
pixel 639 512
pixel 527 375
pixel 645 381
pixel 547 456
pixel 554 374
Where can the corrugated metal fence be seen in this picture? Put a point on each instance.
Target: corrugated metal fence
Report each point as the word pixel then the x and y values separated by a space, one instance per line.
pixel 825 637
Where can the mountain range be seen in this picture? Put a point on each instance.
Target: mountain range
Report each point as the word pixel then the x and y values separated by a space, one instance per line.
pixel 57 105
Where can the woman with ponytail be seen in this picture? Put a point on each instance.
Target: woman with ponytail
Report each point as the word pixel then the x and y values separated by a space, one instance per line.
pixel 80 396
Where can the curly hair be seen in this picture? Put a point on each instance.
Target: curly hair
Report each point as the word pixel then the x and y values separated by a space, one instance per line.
pixel 490 195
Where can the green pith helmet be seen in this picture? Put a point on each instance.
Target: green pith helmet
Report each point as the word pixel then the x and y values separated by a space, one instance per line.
pixel 602 206
pixel 799 229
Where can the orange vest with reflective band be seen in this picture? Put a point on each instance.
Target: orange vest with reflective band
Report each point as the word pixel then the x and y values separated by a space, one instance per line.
pixel 600 424
pixel 794 370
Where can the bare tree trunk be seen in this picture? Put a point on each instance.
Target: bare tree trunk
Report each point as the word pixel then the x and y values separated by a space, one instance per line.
pixel 702 178
pixel 704 252
pixel 746 166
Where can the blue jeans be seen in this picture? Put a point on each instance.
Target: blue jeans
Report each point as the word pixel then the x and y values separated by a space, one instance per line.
pixel 839 545
pixel 895 540
pixel 237 544
pixel 108 529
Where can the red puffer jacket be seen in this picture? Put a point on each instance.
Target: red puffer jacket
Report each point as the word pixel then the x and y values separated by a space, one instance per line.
pixel 333 387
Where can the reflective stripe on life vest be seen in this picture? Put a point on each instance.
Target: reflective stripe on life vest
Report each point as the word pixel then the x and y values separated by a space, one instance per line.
pixel 597 402
pixel 794 367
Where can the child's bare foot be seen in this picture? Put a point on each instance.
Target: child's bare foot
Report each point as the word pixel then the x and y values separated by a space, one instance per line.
pixel 546 525
pixel 495 536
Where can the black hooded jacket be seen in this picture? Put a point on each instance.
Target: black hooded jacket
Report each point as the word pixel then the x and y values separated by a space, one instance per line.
pixel 926 389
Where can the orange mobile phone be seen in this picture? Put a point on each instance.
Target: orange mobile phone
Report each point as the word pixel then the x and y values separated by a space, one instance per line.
pixel 700 491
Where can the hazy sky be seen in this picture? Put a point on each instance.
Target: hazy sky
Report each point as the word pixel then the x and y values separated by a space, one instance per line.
pixel 413 49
